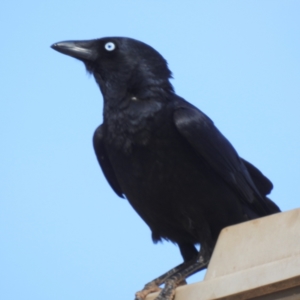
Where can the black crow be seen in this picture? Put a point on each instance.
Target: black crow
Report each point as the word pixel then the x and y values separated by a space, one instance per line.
pixel 177 170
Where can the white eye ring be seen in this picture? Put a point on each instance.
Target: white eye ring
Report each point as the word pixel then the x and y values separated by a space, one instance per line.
pixel 110 46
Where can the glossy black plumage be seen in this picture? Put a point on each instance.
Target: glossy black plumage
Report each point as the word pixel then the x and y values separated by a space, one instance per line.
pixel 176 169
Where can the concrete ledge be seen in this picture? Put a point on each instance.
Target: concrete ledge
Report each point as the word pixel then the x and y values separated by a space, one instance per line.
pixel 259 260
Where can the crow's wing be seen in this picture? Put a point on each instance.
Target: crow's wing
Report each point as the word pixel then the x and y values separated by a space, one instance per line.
pixel 104 162
pixel 208 142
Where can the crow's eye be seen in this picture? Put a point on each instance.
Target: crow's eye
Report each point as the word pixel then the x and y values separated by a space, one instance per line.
pixel 110 46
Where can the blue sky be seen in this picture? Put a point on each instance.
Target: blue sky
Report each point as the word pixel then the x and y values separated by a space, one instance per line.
pixel 64 233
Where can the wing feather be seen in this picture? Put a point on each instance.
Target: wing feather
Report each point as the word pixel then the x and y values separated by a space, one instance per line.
pixel 104 162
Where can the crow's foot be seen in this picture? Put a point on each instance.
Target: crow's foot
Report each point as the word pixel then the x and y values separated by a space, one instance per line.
pixel 150 287
pixel 168 292
pixel 173 278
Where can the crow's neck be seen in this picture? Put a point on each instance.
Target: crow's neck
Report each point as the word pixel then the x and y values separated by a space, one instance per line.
pixel 129 112
pixel 118 94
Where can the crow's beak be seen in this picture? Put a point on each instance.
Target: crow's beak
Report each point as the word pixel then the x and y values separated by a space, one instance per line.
pixel 83 50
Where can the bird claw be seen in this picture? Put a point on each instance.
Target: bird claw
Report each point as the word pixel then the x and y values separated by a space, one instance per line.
pixel 168 292
pixel 150 287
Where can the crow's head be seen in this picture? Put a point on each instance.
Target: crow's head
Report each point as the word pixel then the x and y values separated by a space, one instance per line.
pixel 120 63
